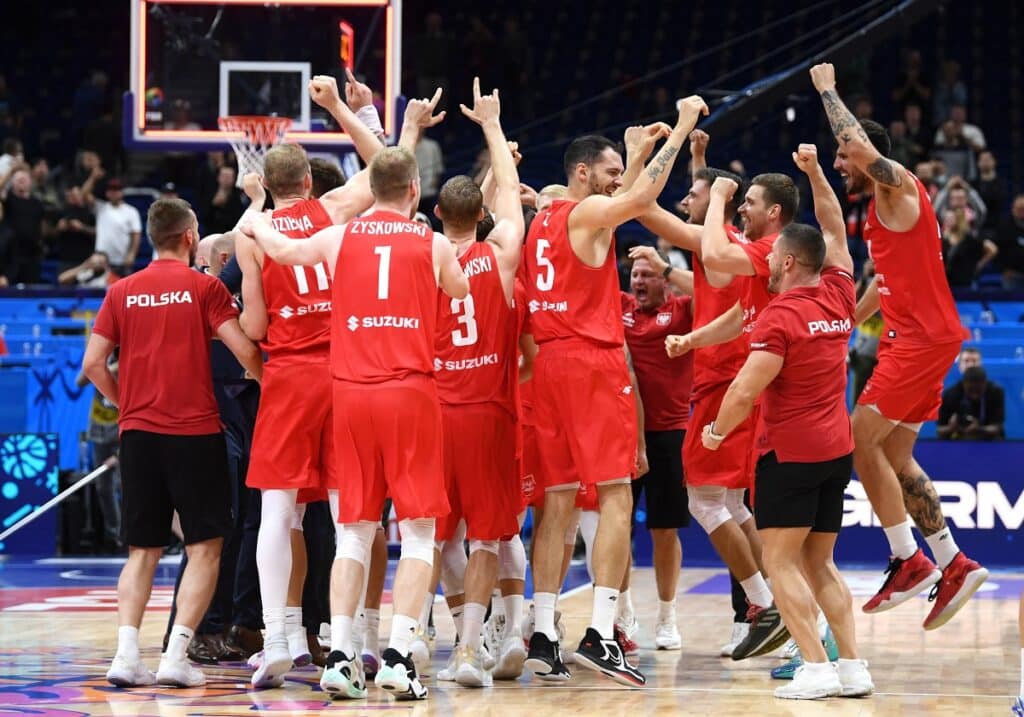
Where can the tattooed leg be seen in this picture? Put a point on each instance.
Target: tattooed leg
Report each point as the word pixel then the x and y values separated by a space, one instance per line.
pixel 921 499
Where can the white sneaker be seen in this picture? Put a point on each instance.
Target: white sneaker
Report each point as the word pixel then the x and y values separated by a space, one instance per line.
pixel 298 647
pixel 855 678
pixel 276 662
pixel 419 650
pixel 129 673
pixel 494 631
pixel 511 658
pixel 447 673
pixel 180 673
pixel 812 684
pixel 344 678
pixel 667 637
pixel 471 671
pixel 789 650
pixel 739 634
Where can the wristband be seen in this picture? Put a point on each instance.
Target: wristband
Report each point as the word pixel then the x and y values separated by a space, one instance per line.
pixel 713 435
pixel 367 114
pixel 668 271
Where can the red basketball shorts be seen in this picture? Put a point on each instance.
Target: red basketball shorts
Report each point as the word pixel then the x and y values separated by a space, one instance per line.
pixel 480 474
pixel 732 465
pixel 585 414
pixel 529 468
pixel 906 385
pixel 388 439
pixel 293 442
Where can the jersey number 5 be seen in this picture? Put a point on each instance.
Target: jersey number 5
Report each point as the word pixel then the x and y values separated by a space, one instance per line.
pixel 303 282
pixel 467 319
pixel 546 279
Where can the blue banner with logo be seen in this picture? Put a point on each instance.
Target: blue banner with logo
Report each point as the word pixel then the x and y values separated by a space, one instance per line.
pixel 981 486
pixel 29 475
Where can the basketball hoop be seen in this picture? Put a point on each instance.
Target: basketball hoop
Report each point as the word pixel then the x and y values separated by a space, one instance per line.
pixel 251 137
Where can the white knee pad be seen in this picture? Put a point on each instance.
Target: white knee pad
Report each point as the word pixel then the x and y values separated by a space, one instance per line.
pixel 417 539
pixel 491 546
pixel 297 517
pixel 355 541
pixel 734 504
pixel 572 527
pixel 512 559
pixel 707 506
pixel 453 566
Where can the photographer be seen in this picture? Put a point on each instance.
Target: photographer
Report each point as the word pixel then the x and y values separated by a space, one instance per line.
pixel 973 409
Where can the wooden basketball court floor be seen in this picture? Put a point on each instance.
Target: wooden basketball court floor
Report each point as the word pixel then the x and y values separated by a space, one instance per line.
pixel 56 643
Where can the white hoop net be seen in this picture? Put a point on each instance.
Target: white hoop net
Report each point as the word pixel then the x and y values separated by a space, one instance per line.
pixel 251 137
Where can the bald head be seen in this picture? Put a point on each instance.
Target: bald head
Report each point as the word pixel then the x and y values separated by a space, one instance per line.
pixel 205 249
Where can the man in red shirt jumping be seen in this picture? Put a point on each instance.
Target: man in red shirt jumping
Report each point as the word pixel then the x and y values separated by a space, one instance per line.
pixel 921 341
pixel 173 455
pixel 386 271
pixel 798 361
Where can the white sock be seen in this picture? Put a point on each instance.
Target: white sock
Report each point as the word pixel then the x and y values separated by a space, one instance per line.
pixel 403 630
pixel 757 590
pixel 943 547
pixel 293 620
pixel 181 636
pixel 341 635
pixel 544 614
pixel 822 668
pixel 606 602
pixel 274 621
pixel 472 624
pixel 373 631
pixel 625 608
pixel 513 614
pixel 428 602
pixel 901 540
pixel 497 606
pixel 457 618
pixel 128 642
pixel 666 611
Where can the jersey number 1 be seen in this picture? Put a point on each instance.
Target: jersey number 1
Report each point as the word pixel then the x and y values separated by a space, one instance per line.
pixel 383 271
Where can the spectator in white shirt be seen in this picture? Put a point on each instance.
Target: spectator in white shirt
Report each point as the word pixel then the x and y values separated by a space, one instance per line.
pixel 118 229
pixel 971 133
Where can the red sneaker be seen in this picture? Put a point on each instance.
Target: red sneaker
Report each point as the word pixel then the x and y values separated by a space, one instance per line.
pixel 906 579
pixel 960 579
pixel 628 644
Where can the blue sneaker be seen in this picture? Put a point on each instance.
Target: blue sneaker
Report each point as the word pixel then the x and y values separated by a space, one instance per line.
pixel 786 671
pixel 1018 708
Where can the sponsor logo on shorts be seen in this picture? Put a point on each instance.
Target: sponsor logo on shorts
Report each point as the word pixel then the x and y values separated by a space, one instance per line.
pixel 529 485
pixel 556 306
pixel 627 390
pixel 167 297
pixel 382 322
pixel 466 364
pixel 664 319
pixel 829 327
pixel 320 307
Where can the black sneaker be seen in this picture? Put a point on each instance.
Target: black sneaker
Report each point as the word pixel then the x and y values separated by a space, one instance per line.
pixel 767 633
pixel 397 675
pixel 544 659
pixel 606 656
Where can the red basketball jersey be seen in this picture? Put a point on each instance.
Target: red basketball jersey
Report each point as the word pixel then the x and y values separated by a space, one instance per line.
pixel 917 304
pixel 713 365
pixel 298 298
pixel 385 300
pixel 566 298
pixel 476 346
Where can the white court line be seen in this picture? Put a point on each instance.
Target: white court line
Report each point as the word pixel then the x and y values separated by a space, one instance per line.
pixel 746 691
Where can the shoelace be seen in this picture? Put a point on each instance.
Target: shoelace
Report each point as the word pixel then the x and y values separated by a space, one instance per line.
pixel 890 571
pixel 934 592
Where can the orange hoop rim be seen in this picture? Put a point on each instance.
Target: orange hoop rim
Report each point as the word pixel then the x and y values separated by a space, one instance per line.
pixel 262 129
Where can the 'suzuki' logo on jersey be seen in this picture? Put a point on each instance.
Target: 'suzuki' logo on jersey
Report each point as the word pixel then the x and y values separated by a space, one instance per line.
pixel 829 327
pixel 557 306
pixel 286 312
pixel 466 364
pixel 382 322
pixel 478 266
pixel 293 224
pixel 380 228
pixel 168 297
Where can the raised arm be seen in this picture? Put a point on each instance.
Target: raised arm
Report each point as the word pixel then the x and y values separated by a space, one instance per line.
pixel 760 370
pixel 450 277
pixel 507 236
pixel 699 140
pixel 419 114
pixel 640 141
pixel 488 188
pixel 827 210
pixel 323 89
pixel 719 331
pixel 600 212
pixel 671 228
pixel 717 252
pixel 322 246
pixel 679 278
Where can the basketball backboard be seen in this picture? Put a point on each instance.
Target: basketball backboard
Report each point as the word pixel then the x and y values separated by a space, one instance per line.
pixel 193 61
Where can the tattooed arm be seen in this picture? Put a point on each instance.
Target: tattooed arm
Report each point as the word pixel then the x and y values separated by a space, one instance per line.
pixel 601 212
pixel 895 193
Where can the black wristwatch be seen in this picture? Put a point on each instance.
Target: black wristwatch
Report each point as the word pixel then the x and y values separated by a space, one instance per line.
pixel 668 270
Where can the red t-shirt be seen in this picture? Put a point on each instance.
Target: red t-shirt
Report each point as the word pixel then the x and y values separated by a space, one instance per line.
pixel 477 337
pixel 755 288
pixel 665 383
pixel 917 304
pixel 298 298
pixel 163 317
pixel 715 365
pixel 804 407
pixel 385 300
pixel 568 299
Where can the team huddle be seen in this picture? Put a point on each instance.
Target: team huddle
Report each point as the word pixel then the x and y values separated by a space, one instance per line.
pixel 465 377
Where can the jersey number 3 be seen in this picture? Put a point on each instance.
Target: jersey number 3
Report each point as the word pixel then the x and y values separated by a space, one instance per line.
pixel 466 313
